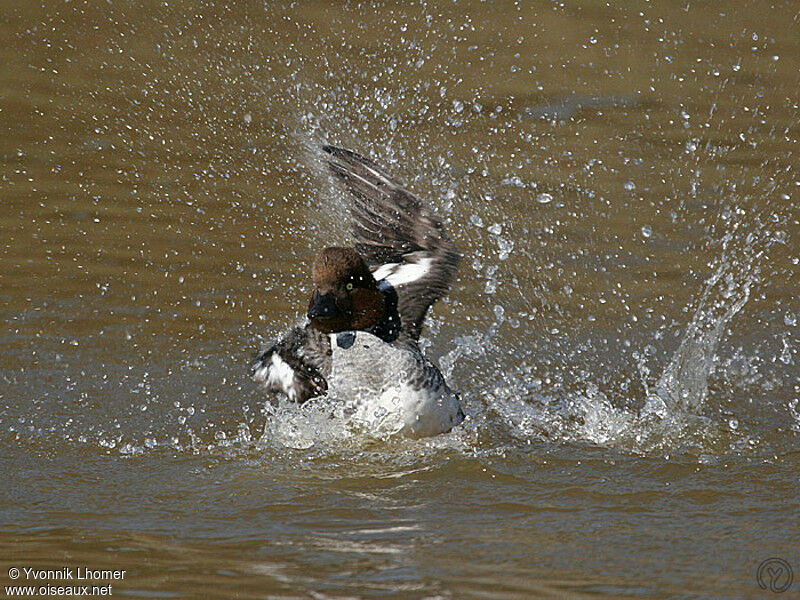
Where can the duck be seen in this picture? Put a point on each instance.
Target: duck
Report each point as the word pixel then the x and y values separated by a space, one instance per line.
pixel 360 340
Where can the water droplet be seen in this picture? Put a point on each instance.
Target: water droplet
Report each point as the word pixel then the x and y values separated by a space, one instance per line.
pixel 647 231
pixel 513 181
pixel 629 186
pixel 544 198
pixel 786 353
pixel 506 247
pixel 790 319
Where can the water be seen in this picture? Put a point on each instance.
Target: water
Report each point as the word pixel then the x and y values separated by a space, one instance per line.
pixel 622 183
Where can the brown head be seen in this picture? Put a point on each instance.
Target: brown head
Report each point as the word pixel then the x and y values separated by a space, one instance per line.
pixel 346 295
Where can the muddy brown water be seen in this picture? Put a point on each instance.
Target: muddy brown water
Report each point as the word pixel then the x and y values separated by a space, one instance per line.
pixel 622 181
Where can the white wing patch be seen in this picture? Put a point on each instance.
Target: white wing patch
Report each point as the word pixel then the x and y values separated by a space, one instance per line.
pixel 384 271
pixel 401 273
pixel 277 374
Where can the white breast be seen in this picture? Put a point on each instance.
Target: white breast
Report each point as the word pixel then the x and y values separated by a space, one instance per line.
pixel 390 388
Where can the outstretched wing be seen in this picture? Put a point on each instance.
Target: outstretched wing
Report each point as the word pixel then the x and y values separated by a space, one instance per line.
pixel 399 237
pixel 297 365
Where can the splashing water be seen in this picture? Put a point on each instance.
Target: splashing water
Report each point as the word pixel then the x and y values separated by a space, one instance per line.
pixel 683 385
pixel 671 418
pixel 669 421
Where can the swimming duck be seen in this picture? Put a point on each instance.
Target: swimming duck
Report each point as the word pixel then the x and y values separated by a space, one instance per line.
pixel 360 341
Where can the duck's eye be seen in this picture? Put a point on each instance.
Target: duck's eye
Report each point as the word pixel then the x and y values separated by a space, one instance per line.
pixel 349 286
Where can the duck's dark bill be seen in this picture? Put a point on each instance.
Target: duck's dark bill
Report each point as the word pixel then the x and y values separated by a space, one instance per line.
pixel 323 306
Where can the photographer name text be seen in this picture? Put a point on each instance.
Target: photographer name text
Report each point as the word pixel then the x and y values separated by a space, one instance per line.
pixel 76 574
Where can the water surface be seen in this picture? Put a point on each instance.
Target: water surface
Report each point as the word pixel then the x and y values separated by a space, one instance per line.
pixel 624 329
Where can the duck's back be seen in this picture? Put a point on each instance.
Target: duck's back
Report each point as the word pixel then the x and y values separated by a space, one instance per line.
pixel 391 386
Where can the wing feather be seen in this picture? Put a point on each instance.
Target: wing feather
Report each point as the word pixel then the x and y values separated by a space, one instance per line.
pixel 399 236
pixel 297 365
